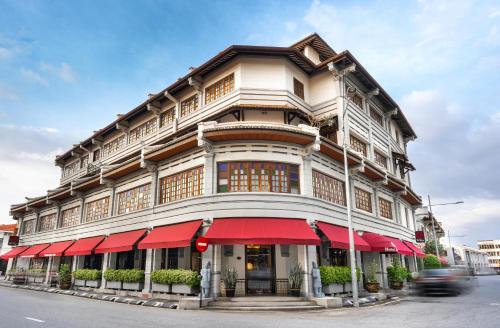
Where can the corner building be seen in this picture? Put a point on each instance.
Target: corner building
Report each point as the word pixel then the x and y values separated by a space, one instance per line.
pixel 246 150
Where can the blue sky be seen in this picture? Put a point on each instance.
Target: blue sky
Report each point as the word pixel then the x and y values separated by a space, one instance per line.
pixel 68 67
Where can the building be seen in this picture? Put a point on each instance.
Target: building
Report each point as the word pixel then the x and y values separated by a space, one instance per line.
pixel 424 222
pixel 476 260
pixel 492 248
pixel 246 151
pixel 6 230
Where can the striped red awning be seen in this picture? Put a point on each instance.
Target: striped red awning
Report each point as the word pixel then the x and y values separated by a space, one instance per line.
pixel 414 248
pixel 14 252
pixel 379 243
pixel 402 248
pixel 171 236
pixel 56 249
pixel 120 242
pixel 33 251
pixel 339 237
pixel 84 246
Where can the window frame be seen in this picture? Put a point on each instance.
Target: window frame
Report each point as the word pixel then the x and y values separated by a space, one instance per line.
pixel 298 88
pixel 333 197
pixel 359 202
pixel 185 184
pixel 386 207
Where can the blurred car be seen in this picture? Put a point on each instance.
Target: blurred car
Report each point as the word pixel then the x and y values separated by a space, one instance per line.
pixel 450 281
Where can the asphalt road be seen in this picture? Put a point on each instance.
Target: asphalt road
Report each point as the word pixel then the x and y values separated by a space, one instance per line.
pixel 479 308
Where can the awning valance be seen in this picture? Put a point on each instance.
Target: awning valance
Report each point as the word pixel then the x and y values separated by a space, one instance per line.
pixel 14 252
pixel 402 248
pixel 56 249
pixel 84 246
pixel 265 231
pixel 379 243
pixel 414 248
pixel 120 242
pixel 339 237
pixel 171 236
pixel 33 251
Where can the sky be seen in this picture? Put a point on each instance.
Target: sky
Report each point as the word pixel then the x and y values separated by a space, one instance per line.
pixel 68 68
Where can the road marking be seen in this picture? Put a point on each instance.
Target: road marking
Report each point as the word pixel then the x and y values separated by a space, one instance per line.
pixel 33 319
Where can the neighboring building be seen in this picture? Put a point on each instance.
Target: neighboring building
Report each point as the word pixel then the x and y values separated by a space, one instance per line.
pixel 492 248
pixel 424 221
pixel 475 259
pixel 246 151
pixel 6 230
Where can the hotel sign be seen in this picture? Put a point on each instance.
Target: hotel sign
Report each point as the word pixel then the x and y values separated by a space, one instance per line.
pixel 13 240
pixel 419 236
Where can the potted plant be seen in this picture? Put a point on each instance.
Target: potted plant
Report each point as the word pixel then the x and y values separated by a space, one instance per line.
pixel 87 277
pixel 396 274
pixel 132 279
pixel 295 279
pixel 185 281
pixel 19 277
pixel 331 279
pixel 372 285
pixel 161 281
pixel 64 276
pixel 230 278
pixel 113 279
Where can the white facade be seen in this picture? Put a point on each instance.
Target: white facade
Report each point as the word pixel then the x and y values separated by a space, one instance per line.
pixel 492 248
pixel 475 259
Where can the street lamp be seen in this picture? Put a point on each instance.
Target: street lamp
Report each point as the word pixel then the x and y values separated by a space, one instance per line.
pixel 451 247
pixel 432 219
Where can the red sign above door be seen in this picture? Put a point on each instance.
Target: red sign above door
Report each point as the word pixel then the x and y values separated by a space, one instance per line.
pixel 201 244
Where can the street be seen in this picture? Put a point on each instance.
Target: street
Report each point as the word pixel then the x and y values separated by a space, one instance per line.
pixel 481 307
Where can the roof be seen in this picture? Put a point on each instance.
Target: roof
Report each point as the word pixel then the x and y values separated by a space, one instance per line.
pixel 293 53
pixel 8 227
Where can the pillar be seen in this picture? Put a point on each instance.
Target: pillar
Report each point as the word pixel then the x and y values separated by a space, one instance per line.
pixel 148 268
pixel 112 193
pixel 209 181
pixel 359 264
pixel 216 270
pixel 153 169
pixel 10 263
pixel 383 266
pixel 58 217
pixel 105 261
pixel 307 183
pixel 49 270
pixel 305 256
pixel 82 203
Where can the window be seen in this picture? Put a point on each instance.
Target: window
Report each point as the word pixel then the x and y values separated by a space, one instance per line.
pixel 380 159
pixel 84 161
pixel 258 177
pixel 167 117
pixel 385 208
pixel 376 116
pixel 363 200
pixel 70 217
pixel 47 222
pixel 97 155
pixel 338 257
pixel 181 185
pixel 93 261
pixel 142 130
pixel 70 169
pixel 356 99
pixel 113 146
pixel 228 250
pixel 328 188
pixel 189 105
pixel 97 209
pixel 219 89
pixel 134 199
pixel 357 145
pixel 298 88
pixel 28 227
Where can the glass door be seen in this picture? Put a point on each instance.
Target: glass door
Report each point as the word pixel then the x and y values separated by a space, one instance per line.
pixel 260 270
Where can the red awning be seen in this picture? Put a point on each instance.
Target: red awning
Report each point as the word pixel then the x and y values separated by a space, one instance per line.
pixel 379 243
pixel 339 237
pixel 120 242
pixel 56 249
pixel 266 231
pixel 33 251
pixel 402 248
pixel 414 248
pixel 83 246
pixel 14 252
pixel 171 236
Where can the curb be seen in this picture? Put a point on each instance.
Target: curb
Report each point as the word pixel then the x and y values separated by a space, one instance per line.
pixel 96 296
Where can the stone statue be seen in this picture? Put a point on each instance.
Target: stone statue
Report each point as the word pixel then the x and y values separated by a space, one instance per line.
pixel 316 277
pixel 205 280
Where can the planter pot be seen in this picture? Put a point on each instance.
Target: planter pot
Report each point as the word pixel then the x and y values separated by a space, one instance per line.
pixel 31 279
pixel 230 292
pixel 93 283
pixel 114 284
pixel 294 292
pixel 372 287
pixel 19 279
pixel 133 285
pixel 182 289
pixel 396 285
pixel 333 289
pixel 79 282
pixel 65 285
pixel 347 287
pixel 39 279
pixel 161 288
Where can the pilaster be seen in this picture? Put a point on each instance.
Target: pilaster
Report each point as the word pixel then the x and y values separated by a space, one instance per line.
pixel 148 269
pixel 307 183
pixel 105 260
pixel 49 270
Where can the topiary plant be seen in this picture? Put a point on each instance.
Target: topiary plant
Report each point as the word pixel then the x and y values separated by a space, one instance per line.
pixel 396 273
pixel 431 262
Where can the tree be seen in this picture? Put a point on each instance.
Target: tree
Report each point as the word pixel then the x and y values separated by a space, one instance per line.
pixel 430 248
pixel 431 262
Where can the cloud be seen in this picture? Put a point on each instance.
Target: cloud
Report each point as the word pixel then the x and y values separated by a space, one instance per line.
pixel 8 94
pixel 62 71
pixel 27 162
pixel 33 76
pixel 5 53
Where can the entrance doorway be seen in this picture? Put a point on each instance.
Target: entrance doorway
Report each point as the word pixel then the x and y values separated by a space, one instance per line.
pixel 260 269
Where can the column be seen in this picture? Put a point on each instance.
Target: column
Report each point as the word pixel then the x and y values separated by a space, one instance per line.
pixel 147 272
pixel 371 149
pixel 307 183
pixel 383 265
pixel 58 217
pixel 82 203
pixel 9 267
pixel 305 255
pixel 216 270
pixel 375 203
pixel 49 270
pixel 209 181
pixel 153 169
pixel 37 221
pixel 74 266
pixel 359 264
pixel 112 193
pixel 397 211
pixel 105 260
